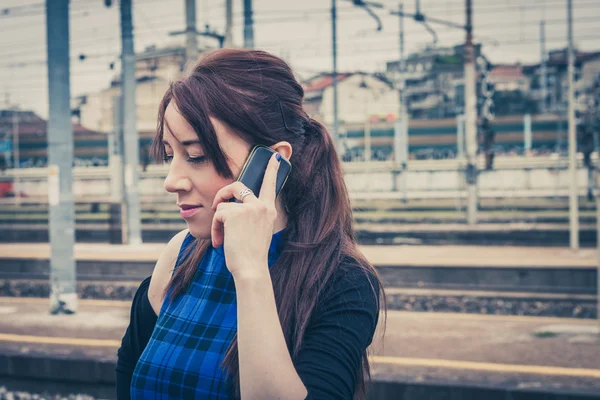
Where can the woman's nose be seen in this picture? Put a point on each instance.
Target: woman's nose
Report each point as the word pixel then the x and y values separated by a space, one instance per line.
pixel 176 182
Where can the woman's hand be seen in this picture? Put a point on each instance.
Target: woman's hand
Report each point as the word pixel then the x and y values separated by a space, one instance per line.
pixel 246 229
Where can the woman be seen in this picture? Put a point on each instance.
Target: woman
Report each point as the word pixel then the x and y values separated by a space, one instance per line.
pixel 267 298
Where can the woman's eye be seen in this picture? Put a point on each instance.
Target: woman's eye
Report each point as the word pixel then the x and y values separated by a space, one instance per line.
pixel 197 160
pixel 193 160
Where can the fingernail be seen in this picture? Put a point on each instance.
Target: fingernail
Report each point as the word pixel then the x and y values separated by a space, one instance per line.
pixel 278 157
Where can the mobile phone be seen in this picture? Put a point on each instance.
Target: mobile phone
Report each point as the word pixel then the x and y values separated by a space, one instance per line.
pixel 253 171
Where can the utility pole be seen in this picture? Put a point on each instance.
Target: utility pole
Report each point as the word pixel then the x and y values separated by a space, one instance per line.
pixel 597 198
pixel 573 200
pixel 336 139
pixel 63 294
pixel 130 135
pixel 118 224
pixel 16 155
pixel 367 125
pixel 527 142
pixel 191 37
pixel 248 25
pixel 460 137
pixel 191 33
pixel 401 126
pixel 470 120
pixel 543 73
pixel 228 23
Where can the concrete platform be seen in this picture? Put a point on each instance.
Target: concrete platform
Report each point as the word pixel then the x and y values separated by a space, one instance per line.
pixel 500 268
pixel 499 256
pixel 514 234
pixel 419 353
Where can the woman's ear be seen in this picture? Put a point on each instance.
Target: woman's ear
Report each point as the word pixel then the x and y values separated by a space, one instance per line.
pixel 283 148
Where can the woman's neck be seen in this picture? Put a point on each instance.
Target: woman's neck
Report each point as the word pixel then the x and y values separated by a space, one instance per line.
pixel 281 221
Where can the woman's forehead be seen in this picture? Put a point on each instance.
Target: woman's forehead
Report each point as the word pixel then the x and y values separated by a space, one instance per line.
pixel 178 130
pixel 176 126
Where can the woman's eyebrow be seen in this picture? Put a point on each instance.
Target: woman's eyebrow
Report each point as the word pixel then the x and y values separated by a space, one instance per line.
pixel 190 142
pixel 184 143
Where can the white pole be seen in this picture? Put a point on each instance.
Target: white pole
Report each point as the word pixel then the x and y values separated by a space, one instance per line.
pixel 334 79
pixel 527 132
pixel 61 218
pixel 16 156
pixel 573 200
pixel 191 38
pixel 460 136
pixel 131 151
pixel 543 79
pixel 404 151
pixel 598 264
pixel 115 155
pixel 470 121
pixel 597 198
pixel 228 24
pixel 367 127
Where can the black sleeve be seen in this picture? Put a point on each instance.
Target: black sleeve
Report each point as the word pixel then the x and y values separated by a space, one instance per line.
pixel 141 324
pixel 343 326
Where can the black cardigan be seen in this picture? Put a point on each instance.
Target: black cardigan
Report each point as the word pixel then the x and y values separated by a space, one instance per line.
pixel 329 363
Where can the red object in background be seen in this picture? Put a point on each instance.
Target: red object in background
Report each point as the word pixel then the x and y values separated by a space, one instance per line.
pixel 5 189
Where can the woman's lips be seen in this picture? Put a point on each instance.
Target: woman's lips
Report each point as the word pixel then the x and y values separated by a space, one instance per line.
pixel 187 213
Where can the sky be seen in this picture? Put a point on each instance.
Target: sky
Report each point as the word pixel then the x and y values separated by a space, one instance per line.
pixel 300 32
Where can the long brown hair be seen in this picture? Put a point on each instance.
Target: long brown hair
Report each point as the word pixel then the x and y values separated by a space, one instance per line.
pixel 255 93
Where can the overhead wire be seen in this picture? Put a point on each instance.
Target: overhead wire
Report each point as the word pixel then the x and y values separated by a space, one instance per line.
pixel 315 51
pixel 478 33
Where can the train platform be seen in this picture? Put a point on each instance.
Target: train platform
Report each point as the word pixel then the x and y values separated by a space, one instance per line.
pixel 384 255
pixel 472 356
pixel 555 270
pixel 369 232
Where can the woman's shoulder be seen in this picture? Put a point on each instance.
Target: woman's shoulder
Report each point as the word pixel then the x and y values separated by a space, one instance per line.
pixel 141 304
pixel 353 284
pixel 164 268
pixel 352 271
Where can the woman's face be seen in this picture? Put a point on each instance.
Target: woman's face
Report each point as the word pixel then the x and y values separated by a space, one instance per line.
pixel 191 176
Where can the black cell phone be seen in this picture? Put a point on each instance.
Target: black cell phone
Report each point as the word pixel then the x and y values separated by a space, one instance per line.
pixel 254 169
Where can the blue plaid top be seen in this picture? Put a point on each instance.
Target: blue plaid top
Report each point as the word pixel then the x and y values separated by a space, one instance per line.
pixel 192 334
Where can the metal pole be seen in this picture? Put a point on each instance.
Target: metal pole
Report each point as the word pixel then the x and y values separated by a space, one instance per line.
pixel 191 38
pixel 543 79
pixel 16 155
pixel 130 135
pixel 63 294
pixel 118 223
pixel 115 153
pixel 597 199
pixel 470 121
pixel 367 129
pixel 573 200
pixel 401 126
pixel 527 134
pixel 336 140
pixel 228 23
pixel 248 25
pixel 401 82
pixel 460 136
pixel 598 255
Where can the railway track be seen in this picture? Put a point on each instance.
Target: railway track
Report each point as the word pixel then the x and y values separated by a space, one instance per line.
pixel 404 299
pixel 408 289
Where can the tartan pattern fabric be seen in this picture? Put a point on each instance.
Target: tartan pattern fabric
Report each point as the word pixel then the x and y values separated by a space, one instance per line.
pixel 192 334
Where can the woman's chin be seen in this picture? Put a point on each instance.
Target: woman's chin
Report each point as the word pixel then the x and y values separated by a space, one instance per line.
pixel 199 232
